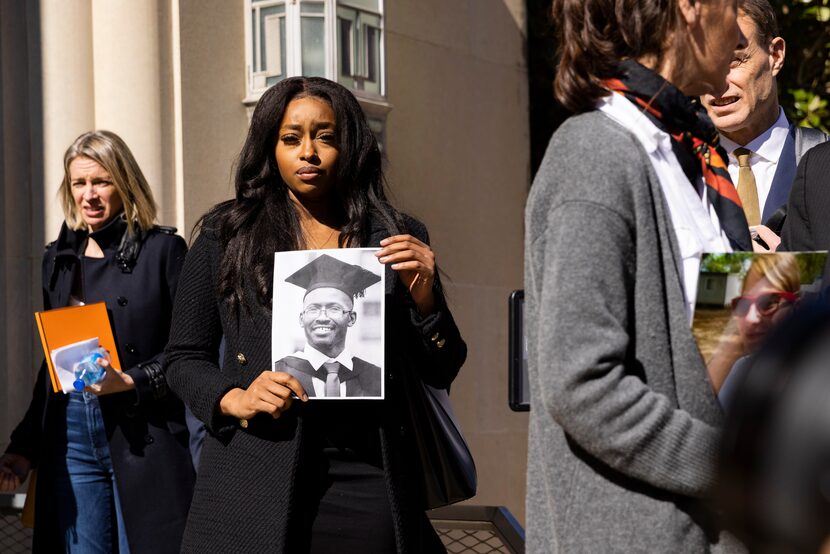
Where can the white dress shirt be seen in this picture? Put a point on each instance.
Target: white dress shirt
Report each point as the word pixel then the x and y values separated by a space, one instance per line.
pixel 766 150
pixel 317 359
pixel 696 225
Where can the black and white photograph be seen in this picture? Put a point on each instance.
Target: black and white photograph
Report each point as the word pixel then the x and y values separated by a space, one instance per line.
pixel 328 322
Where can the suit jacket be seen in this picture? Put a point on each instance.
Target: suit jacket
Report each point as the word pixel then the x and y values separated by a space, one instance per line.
pixel 624 425
pixel 363 380
pixel 785 172
pixel 807 226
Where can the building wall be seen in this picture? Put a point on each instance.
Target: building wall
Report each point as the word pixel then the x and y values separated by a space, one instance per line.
pixel 214 120
pixel 21 203
pixel 457 143
pixel 173 86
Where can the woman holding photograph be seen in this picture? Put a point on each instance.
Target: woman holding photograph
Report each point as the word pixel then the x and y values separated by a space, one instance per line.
pixel 114 469
pixel 632 189
pixel 279 473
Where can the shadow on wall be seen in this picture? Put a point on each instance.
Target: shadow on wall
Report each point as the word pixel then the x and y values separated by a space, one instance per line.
pixel 22 207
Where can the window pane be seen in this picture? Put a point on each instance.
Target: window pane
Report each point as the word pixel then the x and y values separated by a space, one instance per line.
pixel 274 39
pixel 264 47
pixel 254 48
pixel 371 5
pixel 313 51
pixel 372 47
pixel 310 6
pixel 345 45
pixel 371 59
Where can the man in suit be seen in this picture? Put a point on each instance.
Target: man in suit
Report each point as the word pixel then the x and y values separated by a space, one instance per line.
pixel 808 224
pixel 325 368
pixel 763 147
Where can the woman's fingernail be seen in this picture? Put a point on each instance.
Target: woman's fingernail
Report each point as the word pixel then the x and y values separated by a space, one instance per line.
pixel 384 241
pixel 305 398
pixel 383 259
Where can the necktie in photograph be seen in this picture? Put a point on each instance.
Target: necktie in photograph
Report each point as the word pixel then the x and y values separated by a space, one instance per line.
pixel 747 189
pixel 332 379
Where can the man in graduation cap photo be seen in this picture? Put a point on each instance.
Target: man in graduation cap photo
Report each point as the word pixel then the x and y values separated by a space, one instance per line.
pixel 325 367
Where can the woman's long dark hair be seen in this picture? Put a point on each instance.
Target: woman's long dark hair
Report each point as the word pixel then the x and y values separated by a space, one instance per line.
pixel 262 219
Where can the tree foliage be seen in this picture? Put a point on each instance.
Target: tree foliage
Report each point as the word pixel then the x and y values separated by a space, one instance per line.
pixel 733 262
pixel 810 264
pixel 804 82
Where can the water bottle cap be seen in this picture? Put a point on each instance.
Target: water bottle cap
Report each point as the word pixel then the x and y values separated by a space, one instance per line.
pixel 79 385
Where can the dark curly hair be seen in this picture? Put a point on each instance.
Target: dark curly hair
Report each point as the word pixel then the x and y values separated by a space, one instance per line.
pixel 593 35
pixel 262 219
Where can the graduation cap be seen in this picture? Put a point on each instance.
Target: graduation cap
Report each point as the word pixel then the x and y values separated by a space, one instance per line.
pixel 328 272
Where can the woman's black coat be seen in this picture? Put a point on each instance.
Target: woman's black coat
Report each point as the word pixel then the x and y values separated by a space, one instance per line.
pixel 146 428
pixel 245 488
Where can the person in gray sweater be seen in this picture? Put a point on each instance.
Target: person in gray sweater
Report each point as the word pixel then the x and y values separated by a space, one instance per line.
pixel 624 423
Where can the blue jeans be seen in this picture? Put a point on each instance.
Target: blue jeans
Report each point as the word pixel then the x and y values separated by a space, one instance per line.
pixel 86 494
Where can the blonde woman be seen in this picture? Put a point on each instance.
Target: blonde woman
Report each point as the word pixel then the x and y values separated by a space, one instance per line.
pixel 770 287
pixel 115 473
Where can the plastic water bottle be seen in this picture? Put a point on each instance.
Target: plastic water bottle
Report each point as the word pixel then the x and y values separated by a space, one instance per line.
pixel 87 371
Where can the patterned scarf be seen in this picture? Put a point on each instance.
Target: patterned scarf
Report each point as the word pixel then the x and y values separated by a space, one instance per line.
pixel 695 142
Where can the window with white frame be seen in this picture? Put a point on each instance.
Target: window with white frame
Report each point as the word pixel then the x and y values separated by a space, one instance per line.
pixel 342 40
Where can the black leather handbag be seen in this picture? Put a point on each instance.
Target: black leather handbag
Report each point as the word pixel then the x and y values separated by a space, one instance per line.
pixel 447 466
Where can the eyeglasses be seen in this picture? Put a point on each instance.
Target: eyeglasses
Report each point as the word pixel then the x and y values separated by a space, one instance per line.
pixel 332 310
pixel 766 303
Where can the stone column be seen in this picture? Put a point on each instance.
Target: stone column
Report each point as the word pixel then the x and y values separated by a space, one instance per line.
pixel 128 94
pixel 68 92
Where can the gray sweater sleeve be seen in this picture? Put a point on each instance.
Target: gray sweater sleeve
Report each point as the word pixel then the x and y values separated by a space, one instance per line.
pixel 583 264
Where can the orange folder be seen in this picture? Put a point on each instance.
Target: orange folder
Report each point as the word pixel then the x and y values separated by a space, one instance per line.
pixel 63 326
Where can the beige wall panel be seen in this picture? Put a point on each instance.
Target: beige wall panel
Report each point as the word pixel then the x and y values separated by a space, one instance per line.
pixel 458 148
pixel 68 92
pixel 214 120
pixel 479 395
pixel 458 140
pixel 462 154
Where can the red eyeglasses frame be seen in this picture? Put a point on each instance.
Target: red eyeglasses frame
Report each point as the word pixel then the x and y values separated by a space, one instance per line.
pixel 753 299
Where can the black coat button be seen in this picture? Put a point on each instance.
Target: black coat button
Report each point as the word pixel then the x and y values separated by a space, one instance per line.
pixel 241 359
pixel 129 348
pixel 121 301
pixel 148 439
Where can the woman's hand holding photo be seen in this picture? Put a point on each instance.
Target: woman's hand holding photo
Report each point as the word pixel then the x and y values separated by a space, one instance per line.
pixel 270 393
pixel 415 263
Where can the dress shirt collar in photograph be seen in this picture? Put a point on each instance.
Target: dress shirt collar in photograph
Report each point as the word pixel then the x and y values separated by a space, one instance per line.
pixel 766 150
pixel 317 359
pixel 695 223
